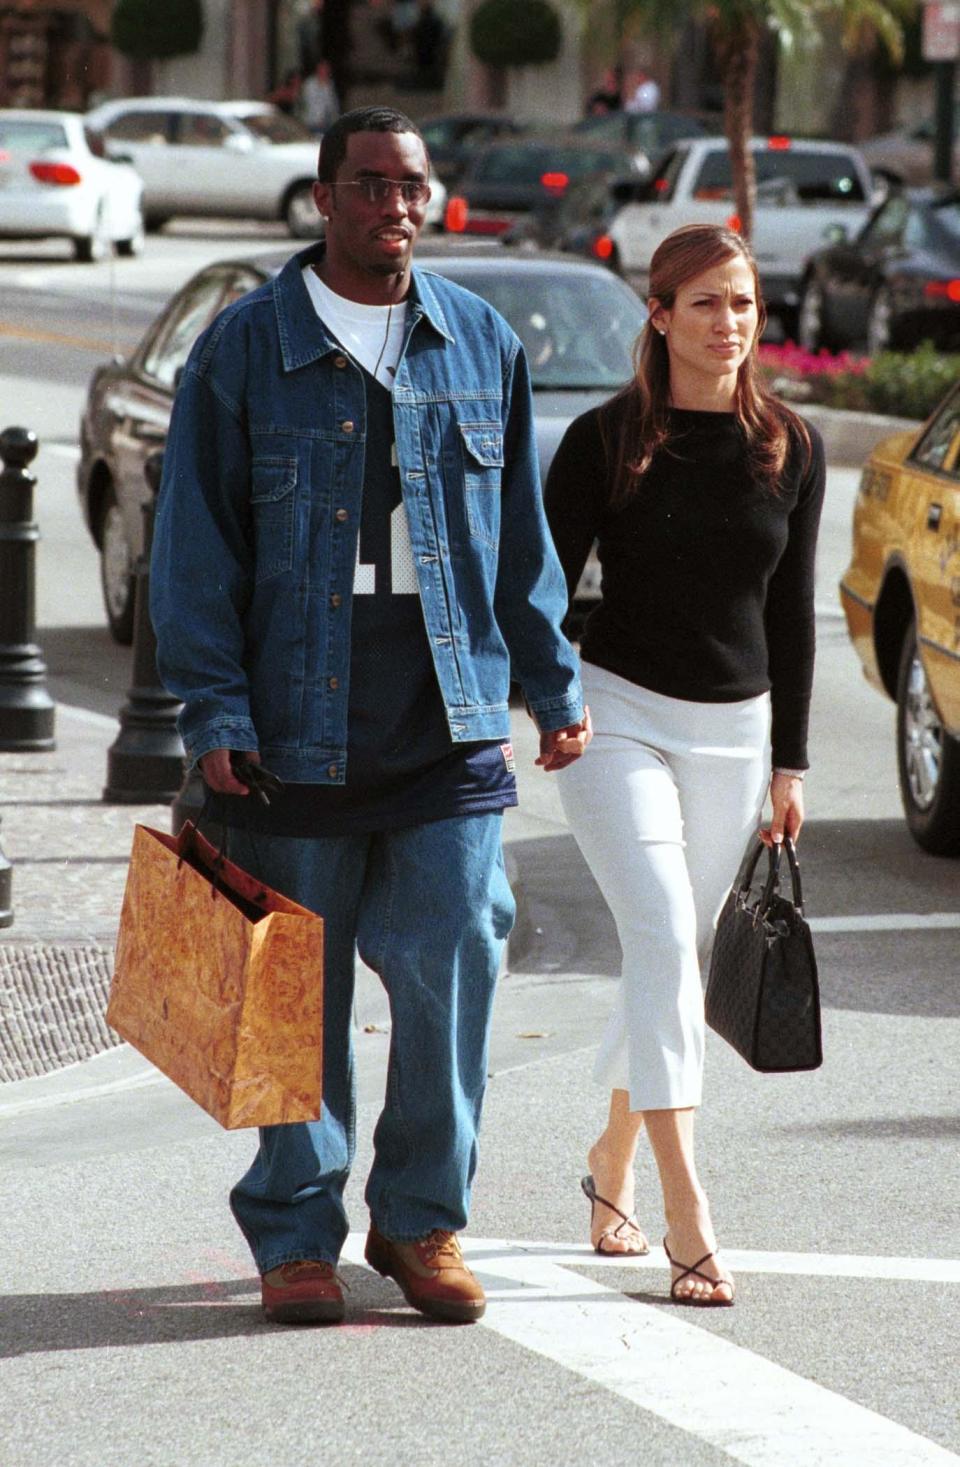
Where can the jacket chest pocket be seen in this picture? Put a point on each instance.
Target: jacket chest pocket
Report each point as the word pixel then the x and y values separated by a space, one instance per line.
pixel 481 446
pixel 273 504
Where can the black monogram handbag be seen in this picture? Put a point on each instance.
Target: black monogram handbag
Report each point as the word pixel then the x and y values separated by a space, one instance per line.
pixel 763 995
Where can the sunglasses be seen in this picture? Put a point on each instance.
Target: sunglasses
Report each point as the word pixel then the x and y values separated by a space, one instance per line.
pixel 378 190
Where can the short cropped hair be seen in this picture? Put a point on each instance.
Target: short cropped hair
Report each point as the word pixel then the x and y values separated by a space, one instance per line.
pixel 333 145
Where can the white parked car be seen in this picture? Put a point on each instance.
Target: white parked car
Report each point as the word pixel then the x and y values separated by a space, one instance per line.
pixel 805 190
pixel 54 184
pixel 242 160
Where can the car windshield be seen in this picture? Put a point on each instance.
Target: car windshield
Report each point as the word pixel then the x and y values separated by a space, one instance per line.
pixel 276 127
pixel 31 137
pixel 578 331
pixel 813 177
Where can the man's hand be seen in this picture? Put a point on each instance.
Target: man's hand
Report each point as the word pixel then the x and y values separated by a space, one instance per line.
pixel 786 797
pixel 215 768
pixel 564 745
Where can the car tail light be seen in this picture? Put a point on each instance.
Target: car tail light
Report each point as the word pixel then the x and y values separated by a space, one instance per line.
pixel 778 144
pixel 455 219
pixel 555 183
pixel 735 223
pixel 4 156
pixel 63 174
pixel 602 246
pixel 948 290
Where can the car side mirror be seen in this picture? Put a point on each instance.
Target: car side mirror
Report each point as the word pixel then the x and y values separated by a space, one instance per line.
pixel 238 142
pixel 836 234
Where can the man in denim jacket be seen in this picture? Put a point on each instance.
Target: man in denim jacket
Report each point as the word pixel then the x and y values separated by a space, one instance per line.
pixel 350 562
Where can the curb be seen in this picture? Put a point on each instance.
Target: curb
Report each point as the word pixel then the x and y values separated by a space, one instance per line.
pixel 849 438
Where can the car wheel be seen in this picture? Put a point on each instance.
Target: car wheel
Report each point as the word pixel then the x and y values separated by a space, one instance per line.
pixel 879 323
pixel 300 213
pixel 116 569
pixel 810 317
pixel 153 223
pixel 928 760
pixel 90 248
pixel 132 246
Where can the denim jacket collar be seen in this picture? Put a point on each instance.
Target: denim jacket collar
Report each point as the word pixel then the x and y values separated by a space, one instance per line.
pixel 303 336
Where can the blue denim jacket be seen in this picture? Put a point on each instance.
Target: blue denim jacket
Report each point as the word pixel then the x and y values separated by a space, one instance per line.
pixel 259 512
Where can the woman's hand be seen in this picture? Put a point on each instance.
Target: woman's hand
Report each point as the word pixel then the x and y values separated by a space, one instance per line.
pixel 786 797
pixel 564 745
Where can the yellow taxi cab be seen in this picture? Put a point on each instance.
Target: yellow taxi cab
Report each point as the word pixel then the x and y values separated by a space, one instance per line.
pixel 901 598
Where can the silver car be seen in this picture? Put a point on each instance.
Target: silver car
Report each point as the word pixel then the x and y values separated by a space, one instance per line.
pixel 242 160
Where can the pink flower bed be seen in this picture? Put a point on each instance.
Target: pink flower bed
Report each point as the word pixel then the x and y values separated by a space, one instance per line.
pixel 791 358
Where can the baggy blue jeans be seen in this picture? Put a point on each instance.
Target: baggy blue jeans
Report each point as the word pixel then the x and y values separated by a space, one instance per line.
pixel 428 908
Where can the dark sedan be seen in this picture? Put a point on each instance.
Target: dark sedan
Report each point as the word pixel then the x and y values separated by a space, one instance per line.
pixel 452 139
pixel 651 132
pixel 508 181
pixel 895 284
pixel 577 322
pixel 583 221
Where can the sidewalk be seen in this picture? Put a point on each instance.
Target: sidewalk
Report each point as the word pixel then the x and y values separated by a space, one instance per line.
pixel 69 853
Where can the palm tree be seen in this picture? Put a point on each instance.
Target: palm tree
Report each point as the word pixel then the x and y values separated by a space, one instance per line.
pixel 736 28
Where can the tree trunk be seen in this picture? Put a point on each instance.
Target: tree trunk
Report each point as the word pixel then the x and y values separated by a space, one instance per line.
pixel 737 52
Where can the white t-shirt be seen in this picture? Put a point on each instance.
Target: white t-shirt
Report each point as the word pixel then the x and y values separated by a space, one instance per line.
pixel 371 334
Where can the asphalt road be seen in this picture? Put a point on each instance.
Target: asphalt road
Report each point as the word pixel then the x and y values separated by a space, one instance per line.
pixel 128 1330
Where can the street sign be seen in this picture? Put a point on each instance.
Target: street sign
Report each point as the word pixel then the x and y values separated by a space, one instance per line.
pixel 941 31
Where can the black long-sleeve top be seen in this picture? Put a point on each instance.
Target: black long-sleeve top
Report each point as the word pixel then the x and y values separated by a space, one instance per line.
pixel 707 574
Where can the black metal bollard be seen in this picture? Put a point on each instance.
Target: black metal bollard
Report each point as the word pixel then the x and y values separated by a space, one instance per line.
pixel 6 891
pixel 145 761
pixel 26 708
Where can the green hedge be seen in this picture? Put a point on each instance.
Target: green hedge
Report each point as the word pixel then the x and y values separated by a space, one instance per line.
pixel 516 33
pixel 153 30
pixel 903 384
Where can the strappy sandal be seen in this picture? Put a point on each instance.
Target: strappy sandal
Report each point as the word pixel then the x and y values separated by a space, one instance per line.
pixel 615 1230
pixel 699 1301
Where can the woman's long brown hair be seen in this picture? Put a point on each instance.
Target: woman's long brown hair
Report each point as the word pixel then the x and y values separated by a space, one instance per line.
pixel 635 423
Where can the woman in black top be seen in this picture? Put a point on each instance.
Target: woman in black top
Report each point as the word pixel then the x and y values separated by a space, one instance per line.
pixel 703 494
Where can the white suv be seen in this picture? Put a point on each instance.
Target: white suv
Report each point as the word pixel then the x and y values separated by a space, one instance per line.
pixel 805 190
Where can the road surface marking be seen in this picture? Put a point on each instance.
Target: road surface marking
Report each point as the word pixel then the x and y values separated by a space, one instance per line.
pixel 886 922
pixel 57 338
pixel 756 1411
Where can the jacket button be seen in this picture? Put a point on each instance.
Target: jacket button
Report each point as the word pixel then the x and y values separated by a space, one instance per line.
pixel 332 771
pixel 333 683
pixel 347 426
pixel 339 361
pixel 341 515
pixel 335 600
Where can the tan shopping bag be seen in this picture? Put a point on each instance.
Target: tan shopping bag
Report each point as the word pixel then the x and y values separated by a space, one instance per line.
pixel 218 980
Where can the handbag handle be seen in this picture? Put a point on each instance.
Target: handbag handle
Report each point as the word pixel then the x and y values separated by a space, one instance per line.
pixel 772 883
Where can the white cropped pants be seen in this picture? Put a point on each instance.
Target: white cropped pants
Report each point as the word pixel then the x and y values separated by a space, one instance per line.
pixel 662 805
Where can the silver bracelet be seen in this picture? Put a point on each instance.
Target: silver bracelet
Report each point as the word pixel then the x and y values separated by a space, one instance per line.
pixel 792 773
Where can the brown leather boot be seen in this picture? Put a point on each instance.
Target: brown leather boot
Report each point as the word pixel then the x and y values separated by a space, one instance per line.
pixel 432 1274
pixel 302 1292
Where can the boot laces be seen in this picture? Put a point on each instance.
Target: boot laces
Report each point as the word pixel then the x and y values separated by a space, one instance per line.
pixel 441 1247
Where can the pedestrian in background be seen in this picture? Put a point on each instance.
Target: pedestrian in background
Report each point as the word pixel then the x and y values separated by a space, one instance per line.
pixel 351 562
pixel 606 98
pixel 318 104
pixel 704 495
pixel 642 93
pixel 286 96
